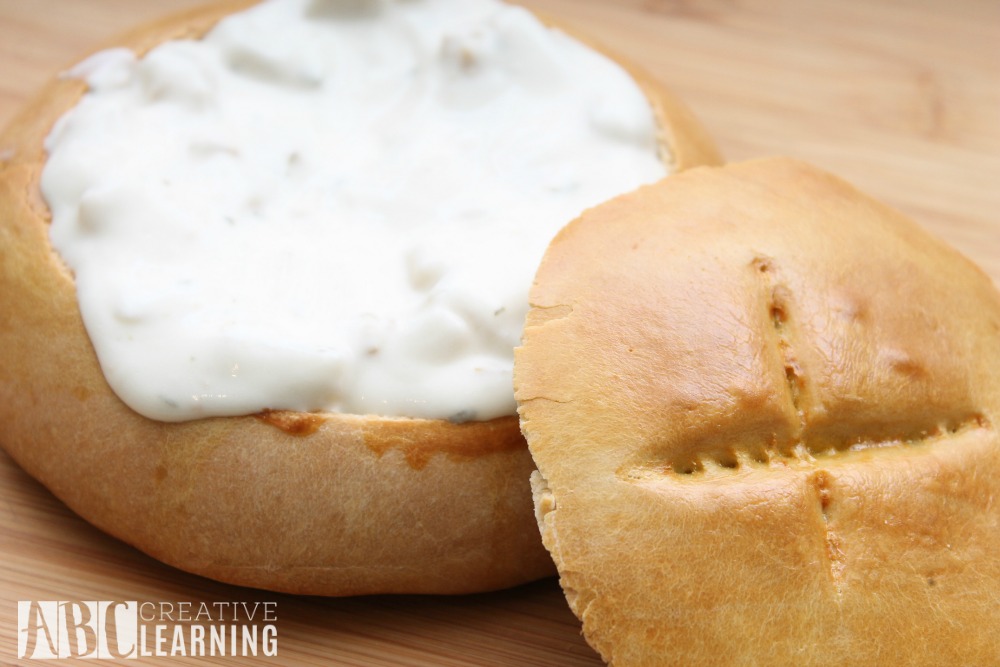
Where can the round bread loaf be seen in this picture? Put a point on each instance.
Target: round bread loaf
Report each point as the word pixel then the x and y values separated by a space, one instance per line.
pixel 329 504
pixel 763 409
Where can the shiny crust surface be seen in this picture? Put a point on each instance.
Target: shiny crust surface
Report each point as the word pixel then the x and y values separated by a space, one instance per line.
pixel 321 504
pixel 764 411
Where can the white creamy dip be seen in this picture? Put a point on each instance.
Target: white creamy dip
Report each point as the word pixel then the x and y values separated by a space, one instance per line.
pixel 333 204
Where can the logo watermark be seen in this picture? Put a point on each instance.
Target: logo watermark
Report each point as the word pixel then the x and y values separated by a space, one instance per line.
pixel 127 629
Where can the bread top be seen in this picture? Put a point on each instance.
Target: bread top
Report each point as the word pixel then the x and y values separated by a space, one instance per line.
pixel 763 408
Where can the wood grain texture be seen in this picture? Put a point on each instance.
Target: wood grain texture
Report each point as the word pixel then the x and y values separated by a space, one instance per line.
pixel 901 97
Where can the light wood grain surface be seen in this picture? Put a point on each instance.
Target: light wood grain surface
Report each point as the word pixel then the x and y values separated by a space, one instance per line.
pixel 902 97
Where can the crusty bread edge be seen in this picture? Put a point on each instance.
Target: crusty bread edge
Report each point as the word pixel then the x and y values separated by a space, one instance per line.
pixel 318 504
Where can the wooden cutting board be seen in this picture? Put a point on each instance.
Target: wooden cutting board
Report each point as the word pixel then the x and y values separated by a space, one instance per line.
pixel 902 97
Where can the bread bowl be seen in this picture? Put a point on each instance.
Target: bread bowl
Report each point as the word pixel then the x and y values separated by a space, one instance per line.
pixel 765 426
pixel 320 502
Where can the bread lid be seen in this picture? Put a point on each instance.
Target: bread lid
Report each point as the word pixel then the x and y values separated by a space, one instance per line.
pixel 763 407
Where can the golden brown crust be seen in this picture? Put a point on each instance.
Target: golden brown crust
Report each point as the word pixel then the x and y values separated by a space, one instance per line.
pixel 764 409
pixel 320 504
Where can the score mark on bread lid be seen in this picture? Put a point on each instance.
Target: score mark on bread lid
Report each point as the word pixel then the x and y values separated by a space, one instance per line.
pixel 727 450
pixel 748 455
